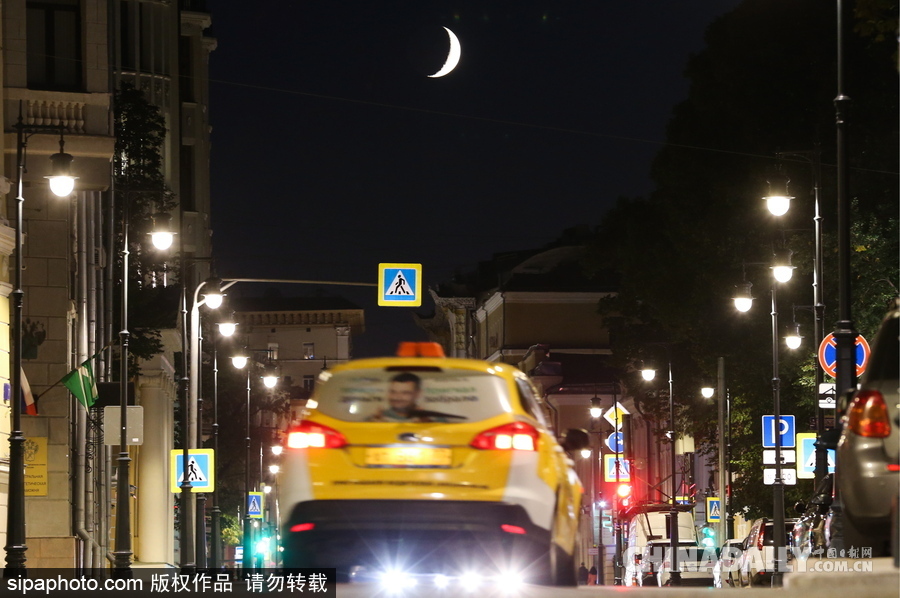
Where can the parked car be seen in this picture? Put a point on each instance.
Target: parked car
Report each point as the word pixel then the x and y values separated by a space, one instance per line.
pixel 725 572
pixel 809 531
pixel 425 465
pixel 648 539
pixel 757 564
pixel 867 471
pixel 649 547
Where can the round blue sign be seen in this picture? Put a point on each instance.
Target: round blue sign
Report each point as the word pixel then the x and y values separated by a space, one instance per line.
pixel 616 442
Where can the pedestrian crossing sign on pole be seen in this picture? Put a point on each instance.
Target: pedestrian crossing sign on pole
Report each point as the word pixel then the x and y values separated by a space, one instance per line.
pixel 400 285
pixel 713 509
pixel 255 505
pixel 201 470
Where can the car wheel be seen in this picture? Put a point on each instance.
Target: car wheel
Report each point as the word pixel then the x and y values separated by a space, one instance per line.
pixel 558 565
pixel 856 537
pixel 895 530
pixel 562 567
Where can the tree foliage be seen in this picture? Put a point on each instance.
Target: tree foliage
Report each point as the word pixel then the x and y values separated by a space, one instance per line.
pixel 139 182
pixel 764 84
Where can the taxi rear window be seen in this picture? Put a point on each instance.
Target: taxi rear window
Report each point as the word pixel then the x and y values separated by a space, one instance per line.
pixel 414 396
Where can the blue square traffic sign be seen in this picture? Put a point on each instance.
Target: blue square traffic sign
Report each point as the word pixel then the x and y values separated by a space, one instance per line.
pixel 788 431
pixel 400 285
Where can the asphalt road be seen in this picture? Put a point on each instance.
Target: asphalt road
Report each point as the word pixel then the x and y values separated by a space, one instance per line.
pixel 839 578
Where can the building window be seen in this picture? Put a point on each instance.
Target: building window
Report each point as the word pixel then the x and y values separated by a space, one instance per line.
pixel 309 382
pixel 54 45
pixel 309 350
pixel 273 351
pixel 141 30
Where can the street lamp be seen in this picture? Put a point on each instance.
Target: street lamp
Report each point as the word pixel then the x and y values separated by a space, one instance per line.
pixel 226 328
pixel 61 184
pixel 780 274
pixel 241 360
pixel 726 518
pixel 649 374
pixel 813 157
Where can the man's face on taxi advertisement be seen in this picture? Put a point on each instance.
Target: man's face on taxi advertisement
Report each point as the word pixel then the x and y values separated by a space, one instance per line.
pixel 402 395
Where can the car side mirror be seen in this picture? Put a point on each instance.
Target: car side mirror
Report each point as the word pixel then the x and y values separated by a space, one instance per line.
pixel 575 440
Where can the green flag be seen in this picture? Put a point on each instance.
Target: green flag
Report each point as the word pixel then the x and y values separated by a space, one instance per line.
pixel 81 383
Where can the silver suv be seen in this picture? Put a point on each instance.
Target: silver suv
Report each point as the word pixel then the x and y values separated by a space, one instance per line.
pixel 868 454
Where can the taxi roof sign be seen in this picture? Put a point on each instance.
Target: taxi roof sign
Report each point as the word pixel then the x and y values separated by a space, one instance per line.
pixel 420 349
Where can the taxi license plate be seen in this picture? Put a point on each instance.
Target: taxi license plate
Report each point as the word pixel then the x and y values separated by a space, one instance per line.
pixel 408 456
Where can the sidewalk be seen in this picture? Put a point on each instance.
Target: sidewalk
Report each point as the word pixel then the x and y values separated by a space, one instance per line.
pixel 868 577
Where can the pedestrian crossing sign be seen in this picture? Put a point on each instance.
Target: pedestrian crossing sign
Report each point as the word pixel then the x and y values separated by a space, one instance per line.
pixel 255 505
pixel 201 471
pixel 616 468
pixel 400 284
pixel 713 509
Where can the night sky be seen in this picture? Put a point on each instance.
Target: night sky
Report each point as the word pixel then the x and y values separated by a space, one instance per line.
pixel 333 151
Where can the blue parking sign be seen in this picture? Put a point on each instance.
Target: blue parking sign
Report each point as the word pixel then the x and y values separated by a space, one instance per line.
pixel 788 431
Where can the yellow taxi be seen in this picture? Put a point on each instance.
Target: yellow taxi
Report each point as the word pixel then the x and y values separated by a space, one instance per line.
pixel 423 465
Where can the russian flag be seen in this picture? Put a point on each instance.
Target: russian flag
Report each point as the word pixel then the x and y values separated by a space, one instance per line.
pixel 29 407
pixel 27 404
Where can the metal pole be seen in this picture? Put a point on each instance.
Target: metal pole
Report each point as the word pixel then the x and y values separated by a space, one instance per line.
pixel 778 487
pixel 596 528
pixel 675 574
pixel 845 334
pixel 200 534
pixel 15 512
pixel 821 468
pixel 729 526
pixel 122 554
pixel 619 568
pixel 721 478
pixel 216 532
pixel 248 530
pixel 186 543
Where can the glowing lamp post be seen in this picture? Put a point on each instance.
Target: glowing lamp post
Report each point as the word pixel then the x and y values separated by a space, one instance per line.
pixel 61 184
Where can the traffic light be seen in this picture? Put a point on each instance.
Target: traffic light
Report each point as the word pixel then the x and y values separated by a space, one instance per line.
pixel 624 492
pixel 708 536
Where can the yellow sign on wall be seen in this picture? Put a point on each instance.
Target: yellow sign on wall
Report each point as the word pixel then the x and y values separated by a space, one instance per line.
pixel 36 457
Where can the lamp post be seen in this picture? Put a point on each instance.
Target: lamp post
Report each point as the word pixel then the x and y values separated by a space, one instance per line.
pixel 782 272
pixel 226 328
pixel 241 361
pixel 649 374
pixel 726 520
pixel 845 333
pixel 814 158
pixel 596 410
pixel 61 184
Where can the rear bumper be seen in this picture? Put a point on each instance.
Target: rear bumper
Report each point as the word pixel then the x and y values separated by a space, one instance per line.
pixel 427 536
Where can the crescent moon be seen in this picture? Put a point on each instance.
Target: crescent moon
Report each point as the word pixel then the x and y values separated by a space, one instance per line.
pixel 452 56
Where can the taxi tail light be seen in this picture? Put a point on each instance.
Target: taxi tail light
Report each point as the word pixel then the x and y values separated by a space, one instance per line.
pixel 512 529
pixel 312 435
pixel 868 415
pixel 517 436
pixel 303 527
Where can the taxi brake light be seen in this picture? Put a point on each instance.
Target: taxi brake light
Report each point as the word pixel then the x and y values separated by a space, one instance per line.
pixel 303 527
pixel 512 529
pixel 410 349
pixel 868 415
pixel 312 435
pixel 517 436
